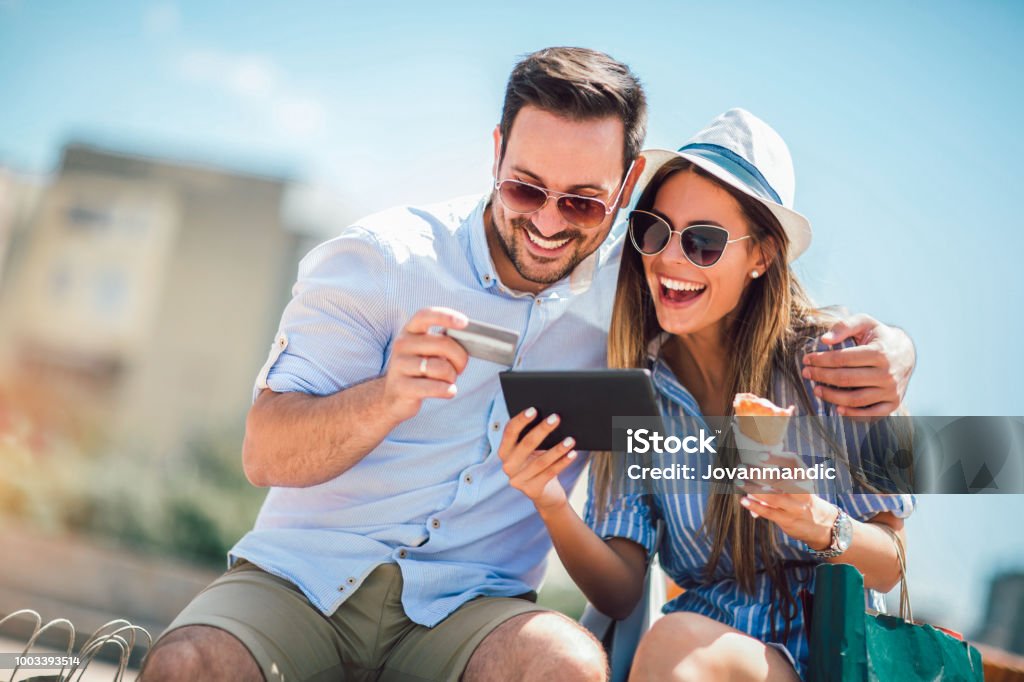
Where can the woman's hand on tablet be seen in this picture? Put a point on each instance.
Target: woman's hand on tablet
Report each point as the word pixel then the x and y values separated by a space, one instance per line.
pixel 534 472
pixel 610 574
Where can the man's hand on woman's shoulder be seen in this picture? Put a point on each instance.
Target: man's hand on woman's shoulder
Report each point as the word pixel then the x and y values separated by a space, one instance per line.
pixel 866 380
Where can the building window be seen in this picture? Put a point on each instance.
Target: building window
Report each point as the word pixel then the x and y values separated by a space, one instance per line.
pixel 83 217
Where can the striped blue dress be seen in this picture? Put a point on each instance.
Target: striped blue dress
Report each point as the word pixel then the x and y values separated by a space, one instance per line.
pixel 684 550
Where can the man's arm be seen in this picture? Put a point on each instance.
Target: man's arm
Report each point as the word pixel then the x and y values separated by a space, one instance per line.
pixel 868 380
pixel 296 439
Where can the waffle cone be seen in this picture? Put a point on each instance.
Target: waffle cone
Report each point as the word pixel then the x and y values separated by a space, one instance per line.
pixel 761 420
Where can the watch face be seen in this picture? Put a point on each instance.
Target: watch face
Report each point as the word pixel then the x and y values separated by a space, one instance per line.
pixel 845 535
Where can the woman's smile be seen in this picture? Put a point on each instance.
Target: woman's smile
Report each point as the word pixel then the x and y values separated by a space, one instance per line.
pixel 678 292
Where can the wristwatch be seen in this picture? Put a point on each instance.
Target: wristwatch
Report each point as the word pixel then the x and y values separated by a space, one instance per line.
pixel 842 534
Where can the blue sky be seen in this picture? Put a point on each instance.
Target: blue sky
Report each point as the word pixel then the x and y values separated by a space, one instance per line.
pixel 903 123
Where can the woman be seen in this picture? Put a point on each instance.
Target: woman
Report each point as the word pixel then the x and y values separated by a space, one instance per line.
pixel 706 299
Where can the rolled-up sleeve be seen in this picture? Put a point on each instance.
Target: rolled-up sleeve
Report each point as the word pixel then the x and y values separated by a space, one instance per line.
pixel 625 516
pixel 335 330
pixel 869 449
pixel 864 506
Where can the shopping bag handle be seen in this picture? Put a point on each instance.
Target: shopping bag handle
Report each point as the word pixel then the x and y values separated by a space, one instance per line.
pixel 906 613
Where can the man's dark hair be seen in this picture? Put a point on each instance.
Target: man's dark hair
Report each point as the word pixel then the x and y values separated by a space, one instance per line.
pixel 579 84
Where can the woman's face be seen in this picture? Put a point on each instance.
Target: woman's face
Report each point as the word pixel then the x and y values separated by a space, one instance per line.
pixel 687 298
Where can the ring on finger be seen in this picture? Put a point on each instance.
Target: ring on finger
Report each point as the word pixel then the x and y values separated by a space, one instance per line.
pixel 423 367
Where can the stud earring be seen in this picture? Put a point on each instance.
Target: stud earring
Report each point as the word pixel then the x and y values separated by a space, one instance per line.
pixel 754 274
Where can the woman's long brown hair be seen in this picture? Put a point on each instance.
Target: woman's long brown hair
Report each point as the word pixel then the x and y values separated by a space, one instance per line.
pixel 767 332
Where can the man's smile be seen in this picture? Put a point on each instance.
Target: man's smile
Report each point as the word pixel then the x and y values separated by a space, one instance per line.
pixel 543 246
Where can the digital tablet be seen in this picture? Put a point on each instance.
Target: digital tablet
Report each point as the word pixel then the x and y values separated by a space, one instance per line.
pixel 586 401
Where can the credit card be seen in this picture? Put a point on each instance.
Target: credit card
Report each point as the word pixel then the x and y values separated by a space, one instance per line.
pixel 487 342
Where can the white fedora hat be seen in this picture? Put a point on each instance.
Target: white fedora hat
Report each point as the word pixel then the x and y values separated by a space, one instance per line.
pixel 743 151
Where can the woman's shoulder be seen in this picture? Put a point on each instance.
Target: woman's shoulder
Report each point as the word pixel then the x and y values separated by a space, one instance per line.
pixel 810 329
pixel 791 387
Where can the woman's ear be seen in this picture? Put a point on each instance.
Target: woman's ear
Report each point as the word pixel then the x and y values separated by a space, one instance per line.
pixel 764 254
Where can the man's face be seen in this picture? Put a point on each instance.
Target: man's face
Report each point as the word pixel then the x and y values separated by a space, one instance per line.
pixel 534 250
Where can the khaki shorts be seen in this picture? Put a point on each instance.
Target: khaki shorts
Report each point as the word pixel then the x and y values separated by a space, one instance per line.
pixel 369 637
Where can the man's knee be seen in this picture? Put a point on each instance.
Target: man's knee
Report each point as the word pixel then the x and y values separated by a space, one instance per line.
pixel 574 647
pixel 199 652
pixel 539 646
pixel 581 657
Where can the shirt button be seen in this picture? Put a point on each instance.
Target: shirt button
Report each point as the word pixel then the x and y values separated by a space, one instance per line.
pixel 402 554
pixel 468 478
pixel 341 589
pixel 536 301
pixel 487 278
pixel 496 426
pixel 435 523
pixel 351 581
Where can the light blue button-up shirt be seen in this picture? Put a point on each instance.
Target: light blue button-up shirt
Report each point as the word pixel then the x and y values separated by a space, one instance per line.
pixel 432 497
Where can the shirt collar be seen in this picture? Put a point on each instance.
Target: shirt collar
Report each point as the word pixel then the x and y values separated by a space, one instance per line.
pixel 582 275
pixel 479 253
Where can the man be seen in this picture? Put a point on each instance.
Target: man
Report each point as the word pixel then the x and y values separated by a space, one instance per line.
pixel 390 545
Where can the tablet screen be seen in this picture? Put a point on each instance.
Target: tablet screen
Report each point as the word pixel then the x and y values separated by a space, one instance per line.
pixel 586 401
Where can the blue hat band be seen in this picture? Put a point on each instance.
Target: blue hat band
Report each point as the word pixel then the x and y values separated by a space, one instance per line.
pixel 734 163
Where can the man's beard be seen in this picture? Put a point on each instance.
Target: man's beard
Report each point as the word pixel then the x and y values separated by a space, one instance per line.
pixel 524 264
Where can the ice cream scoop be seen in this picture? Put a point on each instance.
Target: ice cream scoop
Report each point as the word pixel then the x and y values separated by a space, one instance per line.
pixel 760 420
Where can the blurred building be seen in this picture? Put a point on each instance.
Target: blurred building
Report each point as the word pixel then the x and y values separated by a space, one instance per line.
pixel 1003 625
pixel 6 215
pixel 19 197
pixel 145 297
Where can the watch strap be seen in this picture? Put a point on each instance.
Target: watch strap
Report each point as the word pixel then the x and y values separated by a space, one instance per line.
pixel 833 550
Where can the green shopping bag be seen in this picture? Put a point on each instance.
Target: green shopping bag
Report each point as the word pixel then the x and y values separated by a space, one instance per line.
pixel 850 645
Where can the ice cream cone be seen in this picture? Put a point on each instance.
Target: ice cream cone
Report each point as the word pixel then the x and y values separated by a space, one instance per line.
pixel 761 420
